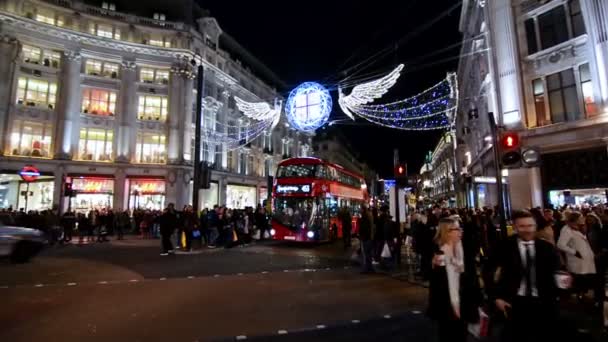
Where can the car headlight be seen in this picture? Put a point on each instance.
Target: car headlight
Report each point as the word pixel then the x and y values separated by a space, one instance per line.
pixel 272 232
pixel 310 234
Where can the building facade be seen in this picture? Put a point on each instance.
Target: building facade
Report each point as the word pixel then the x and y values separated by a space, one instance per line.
pixel 541 67
pixel 106 100
pixel 438 181
pixel 331 145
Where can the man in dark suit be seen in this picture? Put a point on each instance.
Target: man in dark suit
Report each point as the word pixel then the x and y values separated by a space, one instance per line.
pixel 522 283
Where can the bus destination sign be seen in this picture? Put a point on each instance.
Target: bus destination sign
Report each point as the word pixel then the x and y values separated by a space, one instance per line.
pixel 293 189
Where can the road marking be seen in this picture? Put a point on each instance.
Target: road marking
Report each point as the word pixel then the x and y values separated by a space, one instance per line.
pixel 133 281
pixel 387 316
pixel 416 312
pixel 163 278
pixel 264 272
pixel 216 276
pixel 239 274
pixel 190 277
pixel 39 285
pixel 328 269
pixel 282 332
pixel 320 326
pixel 356 321
pixel 241 337
pixel 3 287
pixel 103 282
pixel 71 284
pixel 285 271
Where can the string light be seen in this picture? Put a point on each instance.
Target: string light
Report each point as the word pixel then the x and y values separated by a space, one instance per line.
pixel 432 108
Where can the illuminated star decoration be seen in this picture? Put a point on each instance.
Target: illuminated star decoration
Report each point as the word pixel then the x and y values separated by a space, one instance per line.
pixel 308 106
pixel 260 117
pixel 431 109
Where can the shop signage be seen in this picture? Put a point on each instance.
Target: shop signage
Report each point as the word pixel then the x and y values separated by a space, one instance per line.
pixel 148 187
pixel 92 185
pixel 29 173
pixel 491 180
pixel 292 188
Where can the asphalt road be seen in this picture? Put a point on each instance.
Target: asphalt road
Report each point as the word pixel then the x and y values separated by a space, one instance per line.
pixel 126 291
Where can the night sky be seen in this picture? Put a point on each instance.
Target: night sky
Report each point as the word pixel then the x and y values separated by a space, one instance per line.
pixel 317 40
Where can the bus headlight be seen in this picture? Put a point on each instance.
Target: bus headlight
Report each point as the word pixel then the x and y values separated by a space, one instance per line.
pixel 310 234
pixel 272 232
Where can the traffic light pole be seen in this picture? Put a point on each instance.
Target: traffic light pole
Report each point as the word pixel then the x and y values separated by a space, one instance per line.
pixel 498 172
pixel 196 182
pixel 397 184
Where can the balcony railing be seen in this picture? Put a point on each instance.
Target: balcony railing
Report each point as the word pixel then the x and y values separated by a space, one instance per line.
pixel 129 18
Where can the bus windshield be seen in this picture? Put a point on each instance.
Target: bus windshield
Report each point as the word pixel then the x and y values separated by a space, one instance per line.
pixel 294 212
pixel 297 170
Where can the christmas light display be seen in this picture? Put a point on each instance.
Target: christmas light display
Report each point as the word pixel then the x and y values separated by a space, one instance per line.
pixel 367 92
pixel 308 107
pixel 431 109
pixel 234 136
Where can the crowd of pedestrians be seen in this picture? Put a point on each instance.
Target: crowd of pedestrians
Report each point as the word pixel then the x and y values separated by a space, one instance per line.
pixel 520 275
pixel 177 229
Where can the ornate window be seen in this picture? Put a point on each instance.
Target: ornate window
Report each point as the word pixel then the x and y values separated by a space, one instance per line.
pixel 160 41
pixel 563 99
pixel 95 144
pixel 49 17
pixel 34 55
pixel 150 148
pixel 36 93
pixel 32 139
pixel 152 107
pixel 150 75
pixel 587 90
pixel 98 102
pixel 104 30
pixel 100 68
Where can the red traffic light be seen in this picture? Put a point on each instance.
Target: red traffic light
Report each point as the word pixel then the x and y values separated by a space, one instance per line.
pixel 510 140
pixel 400 170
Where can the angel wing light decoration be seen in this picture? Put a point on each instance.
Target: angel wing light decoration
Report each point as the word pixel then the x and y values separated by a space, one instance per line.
pixel 367 92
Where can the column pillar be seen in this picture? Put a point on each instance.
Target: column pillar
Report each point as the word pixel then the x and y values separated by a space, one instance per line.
pixel 222 190
pixel 68 109
pixel 595 13
pixel 536 187
pixel 121 195
pixel 127 117
pixel 175 148
pixel 223 119
pixel 9 52
pixel 187 119
pixel 58 202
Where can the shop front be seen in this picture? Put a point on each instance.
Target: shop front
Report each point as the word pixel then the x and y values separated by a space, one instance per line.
pixel 91 193
pixel 263 195
pixel 207 197
pixel 240 196
pixel 483 193
pixel 576 178
pixel 17 194
pixel 146 193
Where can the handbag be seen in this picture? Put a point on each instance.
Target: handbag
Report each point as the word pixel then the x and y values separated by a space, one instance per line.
pixel 386 251
pixel 480 329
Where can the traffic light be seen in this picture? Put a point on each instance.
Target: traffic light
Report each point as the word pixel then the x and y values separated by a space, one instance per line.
pixel 401 174
pixel 67 190
pixel 510 150
pixel 205 176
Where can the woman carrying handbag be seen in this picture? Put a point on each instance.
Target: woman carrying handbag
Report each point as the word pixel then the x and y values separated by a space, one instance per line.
pixel 454 292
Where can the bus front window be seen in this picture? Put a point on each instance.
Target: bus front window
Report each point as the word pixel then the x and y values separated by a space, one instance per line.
pixel 294 213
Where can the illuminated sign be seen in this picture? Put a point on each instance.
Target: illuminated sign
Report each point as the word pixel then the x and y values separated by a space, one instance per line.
pixel 29 173
pixel 291 188
pixel 148 186
pixel 93 185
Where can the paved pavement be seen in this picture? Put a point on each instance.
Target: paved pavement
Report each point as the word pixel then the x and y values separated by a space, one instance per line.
pixel 126 291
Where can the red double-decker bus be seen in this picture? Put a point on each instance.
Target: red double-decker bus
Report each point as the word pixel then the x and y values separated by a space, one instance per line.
pixel 308 194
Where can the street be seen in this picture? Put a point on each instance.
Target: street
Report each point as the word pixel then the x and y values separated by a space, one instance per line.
pixel 125 291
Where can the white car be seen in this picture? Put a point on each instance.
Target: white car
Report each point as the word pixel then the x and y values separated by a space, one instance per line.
pixel 20 244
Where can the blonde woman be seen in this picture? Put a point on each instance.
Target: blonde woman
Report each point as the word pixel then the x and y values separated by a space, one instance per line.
pixel 454 293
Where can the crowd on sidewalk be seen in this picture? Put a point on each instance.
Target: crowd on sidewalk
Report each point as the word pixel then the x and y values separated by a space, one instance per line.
pixel 520 276
pixel 219 226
